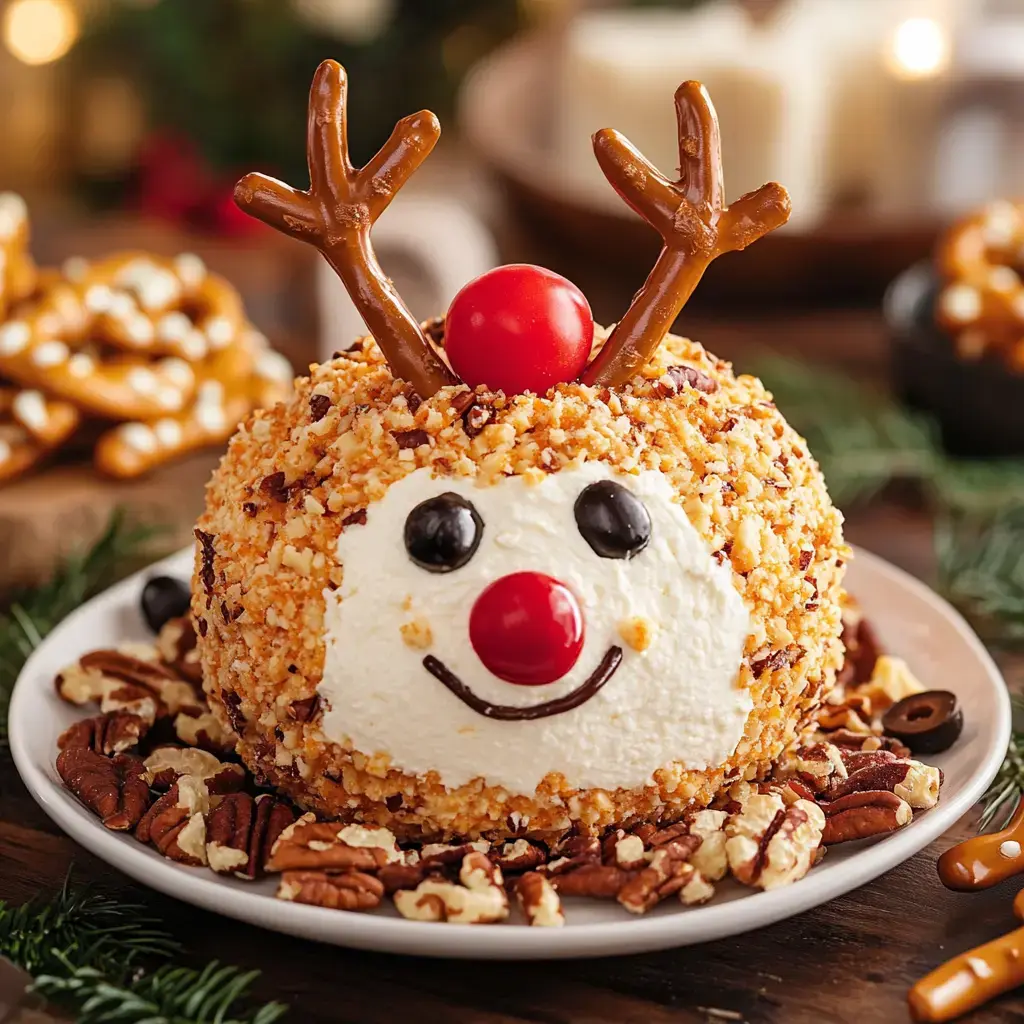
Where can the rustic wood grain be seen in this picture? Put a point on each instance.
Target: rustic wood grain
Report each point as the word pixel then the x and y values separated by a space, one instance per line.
pixel 848 962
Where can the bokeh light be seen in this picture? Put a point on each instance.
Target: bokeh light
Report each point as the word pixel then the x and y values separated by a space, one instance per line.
pixel 39 31
pixel 920 48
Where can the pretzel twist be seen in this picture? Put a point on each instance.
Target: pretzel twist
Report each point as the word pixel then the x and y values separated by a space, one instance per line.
pixel 158 306
pixel 231 384
pixel 17 271
pixel 982 302
pixel 338 210
pixel 31 427
pixel 690 215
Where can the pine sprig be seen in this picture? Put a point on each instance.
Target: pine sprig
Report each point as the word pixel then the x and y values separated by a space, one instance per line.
pixel 34 612
pixel 981 567
pixel 83 930
pixel 1007 789
pixel 861 439
pixel 169 995
pixel 88 954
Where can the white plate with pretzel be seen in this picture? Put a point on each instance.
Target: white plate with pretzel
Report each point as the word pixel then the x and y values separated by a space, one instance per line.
pixel 911 620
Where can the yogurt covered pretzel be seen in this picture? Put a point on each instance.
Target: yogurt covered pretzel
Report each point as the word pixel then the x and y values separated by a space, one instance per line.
pixel 982 303
pixel 17 271
pixel 139 302
pixel 244 377
pixel 50 346
pixel 31 426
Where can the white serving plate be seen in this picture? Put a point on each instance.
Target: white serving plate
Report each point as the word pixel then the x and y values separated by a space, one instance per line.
pixel 911 620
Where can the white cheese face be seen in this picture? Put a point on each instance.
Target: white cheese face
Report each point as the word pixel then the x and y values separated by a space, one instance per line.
pixel 677 700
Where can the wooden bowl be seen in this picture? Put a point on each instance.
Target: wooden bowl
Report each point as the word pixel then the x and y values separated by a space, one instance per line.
pixel 506 113
pixel 979 405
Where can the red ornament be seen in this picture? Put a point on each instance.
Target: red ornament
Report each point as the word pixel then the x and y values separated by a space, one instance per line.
pixel 519 328
pixel 527 629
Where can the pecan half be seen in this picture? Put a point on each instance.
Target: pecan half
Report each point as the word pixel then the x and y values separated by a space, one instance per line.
pixel 113 788
pixel 228 833
pixel 916 783
pixel 176 823
pixel 327 846
pixel 350 891
pixel 173 693
pixel 539 901
pixel 520 855
pixel 863 815
pixel 80 686
pixel 598 881
pixel 108 734
pixel 445 854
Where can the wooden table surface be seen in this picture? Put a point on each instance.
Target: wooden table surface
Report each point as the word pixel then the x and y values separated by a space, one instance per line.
pixel 848 962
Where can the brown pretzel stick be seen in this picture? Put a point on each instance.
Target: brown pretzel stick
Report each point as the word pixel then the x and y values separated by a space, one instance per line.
pixel 690 216
pixel 972 978
pixel 341 206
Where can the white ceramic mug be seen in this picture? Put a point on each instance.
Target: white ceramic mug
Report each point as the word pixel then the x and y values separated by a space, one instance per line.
pixel 430 246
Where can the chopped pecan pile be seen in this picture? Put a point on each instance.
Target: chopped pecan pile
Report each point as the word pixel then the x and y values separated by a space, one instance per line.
pixel 157 760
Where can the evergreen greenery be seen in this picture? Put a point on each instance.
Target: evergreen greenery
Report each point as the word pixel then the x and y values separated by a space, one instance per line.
pixel 89 956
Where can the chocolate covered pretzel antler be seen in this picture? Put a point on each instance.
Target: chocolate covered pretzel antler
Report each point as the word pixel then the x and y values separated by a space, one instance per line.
pixel 341 206
pixel 690 216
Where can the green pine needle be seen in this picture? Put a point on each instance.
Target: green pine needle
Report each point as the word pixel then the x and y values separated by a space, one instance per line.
pixel 861 439
pixel 84 930
pixel 35 612
pixel 170 995
pixel 1006 791
pixel 88 953
pixel 981 569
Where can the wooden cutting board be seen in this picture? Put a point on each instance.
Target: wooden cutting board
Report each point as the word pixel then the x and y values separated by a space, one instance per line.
pixel 66 508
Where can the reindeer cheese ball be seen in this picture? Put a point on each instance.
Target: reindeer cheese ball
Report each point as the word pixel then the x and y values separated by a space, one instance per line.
pixel 505 573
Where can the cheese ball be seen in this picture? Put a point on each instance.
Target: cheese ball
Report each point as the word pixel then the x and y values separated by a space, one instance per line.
pixel 487 615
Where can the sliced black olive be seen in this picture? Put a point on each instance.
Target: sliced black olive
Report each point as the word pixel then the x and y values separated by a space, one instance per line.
pixel 612 520
pixel 164 598
pixel 443 533
pixel 928 722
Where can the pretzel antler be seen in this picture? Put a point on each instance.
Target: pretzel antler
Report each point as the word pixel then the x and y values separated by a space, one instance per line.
pixel 339 209
pixel 690 216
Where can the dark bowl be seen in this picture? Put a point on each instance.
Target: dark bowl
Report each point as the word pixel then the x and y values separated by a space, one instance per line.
pixel 979 406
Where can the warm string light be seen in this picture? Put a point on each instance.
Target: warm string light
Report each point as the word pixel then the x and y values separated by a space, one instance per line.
pixel 39 31
pixel 919 49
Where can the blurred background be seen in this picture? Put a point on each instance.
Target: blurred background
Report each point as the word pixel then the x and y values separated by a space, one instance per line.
pixel 126 123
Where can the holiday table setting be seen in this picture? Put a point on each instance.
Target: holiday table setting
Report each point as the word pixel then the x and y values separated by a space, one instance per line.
pixel 503 665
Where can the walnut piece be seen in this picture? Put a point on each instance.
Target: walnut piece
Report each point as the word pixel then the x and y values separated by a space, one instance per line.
pixel 176 823
pixel 113 788
pixel 166 764
pixel 480 899
pixel 205 731
pixel 710 857
pixel 539 901
pixel 769 844
pixel 668 872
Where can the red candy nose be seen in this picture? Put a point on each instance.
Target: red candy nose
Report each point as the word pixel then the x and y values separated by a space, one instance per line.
pixel 527 629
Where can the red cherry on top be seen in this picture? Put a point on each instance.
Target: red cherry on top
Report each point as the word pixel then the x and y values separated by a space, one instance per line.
pixel 527 629
pixel 519 328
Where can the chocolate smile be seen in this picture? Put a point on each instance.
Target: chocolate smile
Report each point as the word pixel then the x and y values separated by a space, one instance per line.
pixel 510 713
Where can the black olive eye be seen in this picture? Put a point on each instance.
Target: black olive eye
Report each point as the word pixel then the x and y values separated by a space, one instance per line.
pixel 442 533
pixel 612 520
